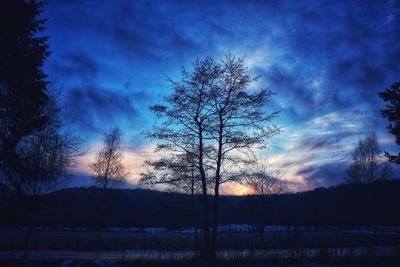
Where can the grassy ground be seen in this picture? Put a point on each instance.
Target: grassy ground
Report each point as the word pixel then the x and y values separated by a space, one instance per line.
pixel 120 240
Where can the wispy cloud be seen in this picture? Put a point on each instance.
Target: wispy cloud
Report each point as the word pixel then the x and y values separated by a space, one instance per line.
pixel 324 60
pixel 318 153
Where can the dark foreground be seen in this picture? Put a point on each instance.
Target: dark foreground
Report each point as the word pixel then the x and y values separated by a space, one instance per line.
pixel 180 240
pixel 356 256
pixel 238 247
pixel 321 261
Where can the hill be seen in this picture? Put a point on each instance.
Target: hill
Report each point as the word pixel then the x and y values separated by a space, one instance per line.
pixel 345 205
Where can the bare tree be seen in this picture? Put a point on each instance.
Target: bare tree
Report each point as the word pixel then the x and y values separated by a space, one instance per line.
pixel 108 169
pixel 213 110
pixel 367 166
pixel 186 118
pixel 47 154
pixel 263 180
pixel 239 122
pixel 190 184
pixel 46 157
pixel 180 174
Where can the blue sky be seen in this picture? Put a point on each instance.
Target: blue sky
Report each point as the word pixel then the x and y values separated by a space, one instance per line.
pixel 325 60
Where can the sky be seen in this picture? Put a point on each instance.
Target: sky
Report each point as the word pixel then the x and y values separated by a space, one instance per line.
pixel 324 60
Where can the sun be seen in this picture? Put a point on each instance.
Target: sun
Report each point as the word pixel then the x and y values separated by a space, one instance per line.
pixel 238 189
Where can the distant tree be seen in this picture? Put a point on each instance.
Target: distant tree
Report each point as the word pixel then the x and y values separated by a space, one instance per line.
pixel 22 81
pixel 392 113
pixel 48 153
pixel 46 157
pixel 180 174
pixel 263 180
pixel 108 169
pixel 367 166
pixel 213 110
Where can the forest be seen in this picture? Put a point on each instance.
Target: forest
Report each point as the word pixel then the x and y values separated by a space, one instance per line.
pixel 354 205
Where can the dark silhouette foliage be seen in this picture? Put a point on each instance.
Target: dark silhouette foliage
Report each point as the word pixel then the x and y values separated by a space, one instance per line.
pixel 108 169
pixel 366 166
pixel 49 153
pixel 263 180
pixel 345 205
pixel 211 110
pixel 392 114
pixel 23 83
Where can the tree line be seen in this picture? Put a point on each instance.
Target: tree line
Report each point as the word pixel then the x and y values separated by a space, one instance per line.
pixel 347 205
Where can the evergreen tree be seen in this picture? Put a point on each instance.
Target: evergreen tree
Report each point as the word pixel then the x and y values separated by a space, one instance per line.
pixel 392 113
pixel 23 83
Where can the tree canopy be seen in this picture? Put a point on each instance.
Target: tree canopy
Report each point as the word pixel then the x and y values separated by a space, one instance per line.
pixel 367 166
pixel 23 84
pixel 212 118
pixel 392 114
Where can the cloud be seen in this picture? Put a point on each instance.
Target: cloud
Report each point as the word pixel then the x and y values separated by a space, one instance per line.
pixel 325 60
pixel 138 31
pixel 392 11
pixel 97 109
pixel 316 153
pixel 298 162
pixel 323 175
pixel 76 65
pixel 317 144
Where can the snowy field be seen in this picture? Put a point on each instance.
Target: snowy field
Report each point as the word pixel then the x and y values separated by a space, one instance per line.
pixel 231 237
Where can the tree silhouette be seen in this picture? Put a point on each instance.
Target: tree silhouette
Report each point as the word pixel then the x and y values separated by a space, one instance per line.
pixel 212 110
pixel 180 174
pixel 392 113
pixel 239 122
pixel 46 156
pixel 108 169
pixel 263 180
pixel 186 118
pixel 22 80
pixel 366 166
pixel 50 152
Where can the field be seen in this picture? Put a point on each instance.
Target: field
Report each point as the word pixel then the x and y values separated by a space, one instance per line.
pixel 183 240
pixel 238 246
pixel 284 257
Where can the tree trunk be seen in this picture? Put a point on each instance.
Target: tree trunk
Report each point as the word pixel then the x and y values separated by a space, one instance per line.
pixel 216 190
pixel 206 249
pixel 196 235
pixel 100 222
pixel 33 206
pixel 215 223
